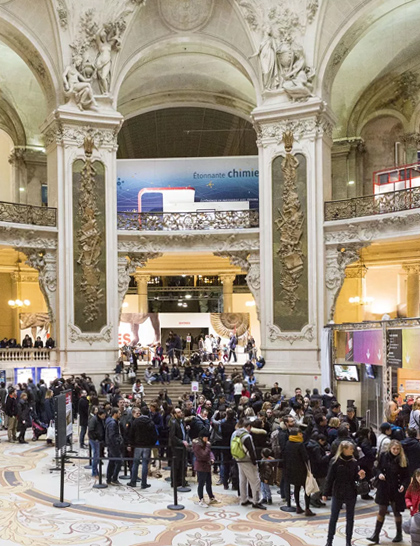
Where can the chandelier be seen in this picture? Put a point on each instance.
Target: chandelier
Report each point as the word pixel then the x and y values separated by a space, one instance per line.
pixel 18 303
pixel 361 301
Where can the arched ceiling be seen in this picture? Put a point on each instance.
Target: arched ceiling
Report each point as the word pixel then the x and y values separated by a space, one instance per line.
pixel 186 132
pixel 389 44
pixel 22 93
pixel 186 74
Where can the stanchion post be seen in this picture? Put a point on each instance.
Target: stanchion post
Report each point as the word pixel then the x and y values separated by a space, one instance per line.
pixel 126 475
pixel 100 485
pixel 184 488
pixel 61 504
pixel 89 466
pixel 175 505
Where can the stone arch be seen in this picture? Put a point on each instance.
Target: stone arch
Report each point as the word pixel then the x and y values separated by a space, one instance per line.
pixel 29 48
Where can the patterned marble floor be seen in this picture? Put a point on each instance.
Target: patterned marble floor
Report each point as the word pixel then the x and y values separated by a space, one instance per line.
pixel 121 516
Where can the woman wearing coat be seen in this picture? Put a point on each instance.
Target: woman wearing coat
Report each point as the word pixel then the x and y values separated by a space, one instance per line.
pixel 295 459
pixel 392 482
pixel 340 484
pixel 23 417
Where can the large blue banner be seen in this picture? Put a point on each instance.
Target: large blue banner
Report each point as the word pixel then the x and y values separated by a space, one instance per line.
pixel 187 184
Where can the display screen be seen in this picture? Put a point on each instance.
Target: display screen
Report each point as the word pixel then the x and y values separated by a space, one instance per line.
pixel 346 373
pixel 370 371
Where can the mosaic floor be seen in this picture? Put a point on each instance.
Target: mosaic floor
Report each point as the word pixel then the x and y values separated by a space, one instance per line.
pixel 121 516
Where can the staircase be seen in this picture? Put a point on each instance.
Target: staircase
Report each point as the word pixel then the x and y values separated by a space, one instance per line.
pixel 175 389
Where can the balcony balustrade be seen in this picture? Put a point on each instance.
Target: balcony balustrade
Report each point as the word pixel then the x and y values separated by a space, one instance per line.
pixel 28 355
pixel 187 221
pixel 19 213
pixel 372 205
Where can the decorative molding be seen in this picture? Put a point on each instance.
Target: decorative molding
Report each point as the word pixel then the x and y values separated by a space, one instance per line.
pixel 372 229
pixel 280 27
pixel 411 268
pixel 63 14
pixel 184 15
pixel 74 135
pixel 75 334
pixel 210 242
pixel 275 334
pixel 24 276
pixel 356 272
pixel 308 127
pixel 19 213
pixel 21 238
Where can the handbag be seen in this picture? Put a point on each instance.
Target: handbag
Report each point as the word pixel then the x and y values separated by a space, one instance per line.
pixel 311 485
pixel 362 488
pixel 51 431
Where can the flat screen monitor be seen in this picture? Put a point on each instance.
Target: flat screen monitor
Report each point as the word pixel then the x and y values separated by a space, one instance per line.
pixel 370 371
pixel 346 373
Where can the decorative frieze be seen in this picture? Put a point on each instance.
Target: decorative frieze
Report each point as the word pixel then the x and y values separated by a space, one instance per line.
pixel 75 335
pixel 306 334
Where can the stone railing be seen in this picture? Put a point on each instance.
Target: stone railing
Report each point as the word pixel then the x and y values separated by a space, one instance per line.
pixel 371 205
pixel 28 214
pixel 28 355
pixel 186 221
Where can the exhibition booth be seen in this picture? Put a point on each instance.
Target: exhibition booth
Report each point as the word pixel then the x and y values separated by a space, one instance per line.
pixel 370 361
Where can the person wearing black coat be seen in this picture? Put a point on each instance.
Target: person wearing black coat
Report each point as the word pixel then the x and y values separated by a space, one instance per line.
pixel 11 410
pixel 343 473
pixel 411 446
pixel 83 409
pixel 367 460
pixel 295 460
pixel 142 437
pixel 23 417
pixel 393 480
pixel 96 435
pixel 319 457
pixel 178 443
pixel 227 428
pixel 115 443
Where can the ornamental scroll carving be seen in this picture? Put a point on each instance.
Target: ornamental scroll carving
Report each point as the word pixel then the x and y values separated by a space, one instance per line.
pixel 75 335
pixel 127 265
pixel 290 224
pixel 275 334
pixel 337 260
pixel 45 263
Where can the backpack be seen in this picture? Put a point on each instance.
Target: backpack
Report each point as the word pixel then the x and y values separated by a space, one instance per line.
pixel 275 444
pixel 237 448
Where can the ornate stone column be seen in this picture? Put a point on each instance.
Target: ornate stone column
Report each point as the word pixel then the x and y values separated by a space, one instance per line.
pixel 227 281
pixel 412 270
pixel 294 140
pixel 142 280
pixel 347 166
pixel 81 159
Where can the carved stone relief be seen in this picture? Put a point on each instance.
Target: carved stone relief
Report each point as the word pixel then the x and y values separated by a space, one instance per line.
pixel 89 240
pixel 63 14
pixel 280 26
pixel 185 15
pixel 96 40
pixel 70 135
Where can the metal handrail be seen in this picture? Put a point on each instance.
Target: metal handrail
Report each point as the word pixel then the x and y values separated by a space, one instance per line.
pixel 186 221
pixel 371 205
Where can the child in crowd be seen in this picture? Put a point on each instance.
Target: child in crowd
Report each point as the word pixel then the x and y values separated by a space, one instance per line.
pixel 412 527
pixel 266 475
pixel 225 353
pixel 412 496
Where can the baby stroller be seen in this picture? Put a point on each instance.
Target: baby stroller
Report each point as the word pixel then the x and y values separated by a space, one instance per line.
pixel 38 429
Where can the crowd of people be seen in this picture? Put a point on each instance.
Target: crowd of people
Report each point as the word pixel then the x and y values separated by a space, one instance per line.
pixel 27 343
pixel 250 439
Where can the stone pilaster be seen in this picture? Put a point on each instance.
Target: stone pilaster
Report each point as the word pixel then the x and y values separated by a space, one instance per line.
pixel 412 270
pixel 142 280
pixel 74 141
pixel 227 281
pixel 290 351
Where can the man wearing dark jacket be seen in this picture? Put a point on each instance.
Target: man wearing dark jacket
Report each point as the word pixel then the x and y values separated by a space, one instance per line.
pixel 23 416
pixel 227 428
pixel 178 442
pixel 319 459
pixel 143 436
pixel 411 447
pixel 83 409
pixel 96 435
pixel 11 410
pixel 114 442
